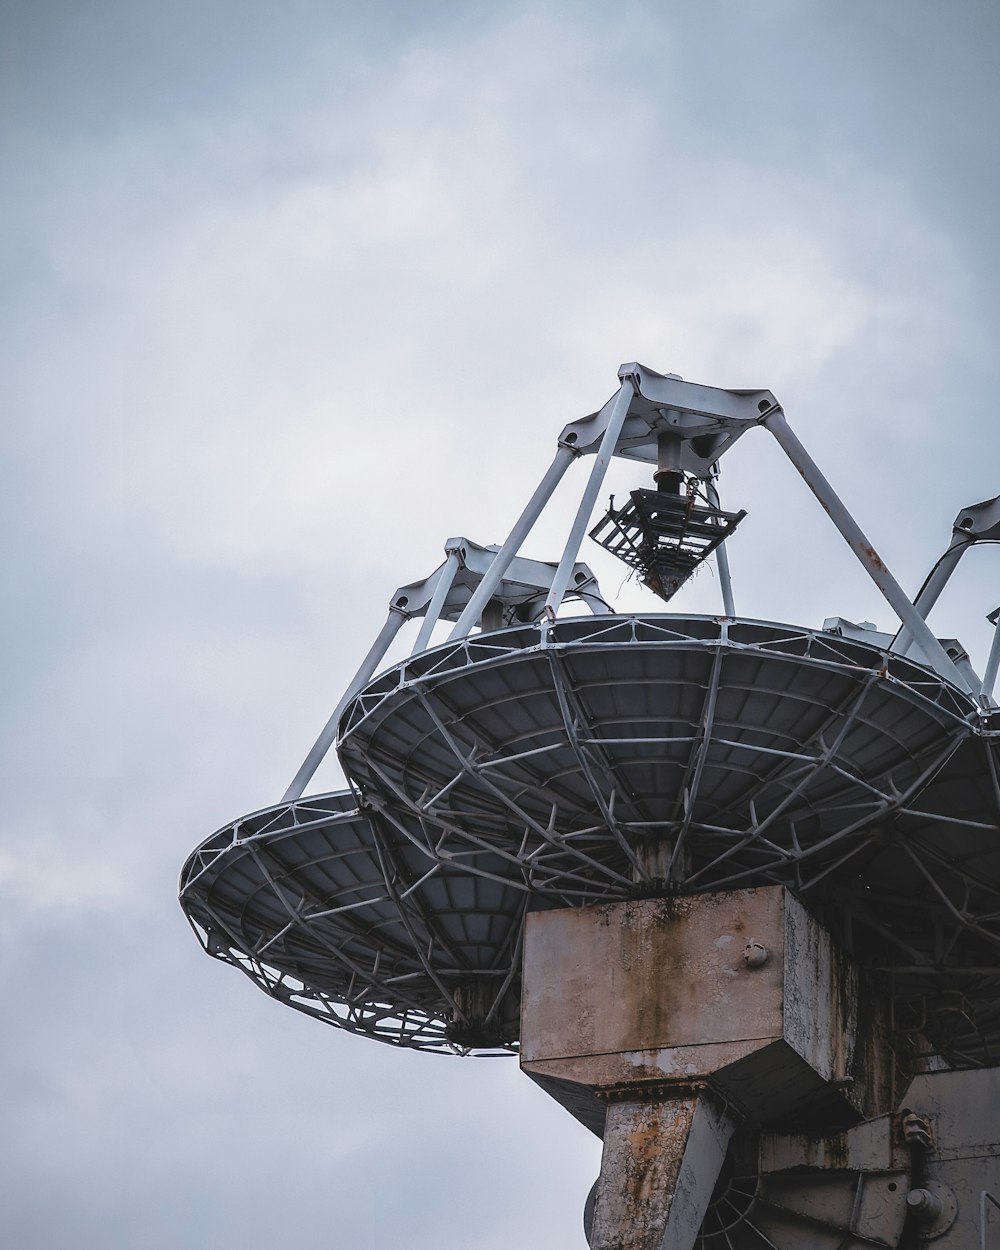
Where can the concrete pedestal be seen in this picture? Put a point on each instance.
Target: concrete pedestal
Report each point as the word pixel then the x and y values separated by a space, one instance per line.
pixel 664 1023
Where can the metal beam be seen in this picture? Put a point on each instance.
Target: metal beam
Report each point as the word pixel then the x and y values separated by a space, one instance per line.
pixel 660 1162
pixel 978 523
pixel 326 739
pixel 993 663
pixel 433 614
pixel 484 591
pixel 722 558
pixel 930 592
pixel 871 561
pixel 602 460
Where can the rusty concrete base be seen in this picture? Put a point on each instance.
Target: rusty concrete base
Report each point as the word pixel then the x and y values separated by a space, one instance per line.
pixel 659 1165
pixel 742 988
pixel 677 1016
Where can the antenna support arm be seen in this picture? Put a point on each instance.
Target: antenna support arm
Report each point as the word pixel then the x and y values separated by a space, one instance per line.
pixel 979 523
pixel 494 575
pixel 871 561
pixel 379 647
pixel 601 461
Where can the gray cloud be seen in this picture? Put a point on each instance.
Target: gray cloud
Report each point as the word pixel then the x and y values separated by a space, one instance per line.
pixel 293 295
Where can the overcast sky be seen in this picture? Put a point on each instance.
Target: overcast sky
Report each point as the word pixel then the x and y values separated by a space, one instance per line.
pixel 293 292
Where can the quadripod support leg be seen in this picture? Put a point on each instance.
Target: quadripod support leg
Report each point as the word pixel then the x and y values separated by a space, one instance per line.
pixel 662 1156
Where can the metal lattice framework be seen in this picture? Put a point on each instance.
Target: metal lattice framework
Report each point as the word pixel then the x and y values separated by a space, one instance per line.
pixel 561 762
pixel 328 911
pixel 599 760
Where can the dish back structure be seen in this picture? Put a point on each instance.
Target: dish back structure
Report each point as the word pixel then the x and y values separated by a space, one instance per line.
pixel 537 762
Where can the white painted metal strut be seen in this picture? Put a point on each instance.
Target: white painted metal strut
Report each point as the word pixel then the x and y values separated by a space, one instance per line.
pixel 980 522
pixel 931 591
pixel 440 595
pixel 582 519
pixel 722 557
pixel 855 538
pixel 486 588
pixel 627 422
pixel 379 647
pixel 993 663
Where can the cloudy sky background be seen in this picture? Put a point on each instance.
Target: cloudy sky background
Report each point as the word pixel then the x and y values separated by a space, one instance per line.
pixel 293 292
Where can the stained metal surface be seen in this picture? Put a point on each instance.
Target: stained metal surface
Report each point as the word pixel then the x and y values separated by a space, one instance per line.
pixel 647 987
pixel 845 1191
pixel 962 1161
pixel 741 989
pixel 874 1184
pixel 658 1170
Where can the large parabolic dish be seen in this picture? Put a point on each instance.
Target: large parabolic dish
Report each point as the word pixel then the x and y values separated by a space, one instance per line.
pixel 563 761
pixel 562 824
pixel 602 759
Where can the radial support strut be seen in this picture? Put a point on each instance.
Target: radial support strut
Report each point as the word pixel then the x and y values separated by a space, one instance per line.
pixel 993 663
pixel 931 590
pixel 597 473
pixel 392 626
pixel 441 590
pixel 855 538
pixel 978 523
pixel 484 591
pixel 722 557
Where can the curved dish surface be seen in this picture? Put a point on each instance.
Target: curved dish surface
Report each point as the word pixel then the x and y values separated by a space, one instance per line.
pixel 602 759
pixel 330 913
pixel 617 754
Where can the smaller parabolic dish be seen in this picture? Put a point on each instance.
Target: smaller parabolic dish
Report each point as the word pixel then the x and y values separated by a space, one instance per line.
pixel 332 912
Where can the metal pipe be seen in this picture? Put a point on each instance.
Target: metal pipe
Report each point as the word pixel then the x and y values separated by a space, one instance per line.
pixel 433 614
pixel 855 538
pixel 930 592
pixel 722 559
pixel 668 476
pixel 601 461
pixel 501 562
pixel 993 663
pixel 323 743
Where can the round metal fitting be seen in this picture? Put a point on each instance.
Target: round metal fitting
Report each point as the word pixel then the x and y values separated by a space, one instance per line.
pixel 934 1209
pixel 755 955
pixel 924 1206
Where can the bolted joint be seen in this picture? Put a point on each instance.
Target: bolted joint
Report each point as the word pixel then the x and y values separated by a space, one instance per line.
pixel 924 1206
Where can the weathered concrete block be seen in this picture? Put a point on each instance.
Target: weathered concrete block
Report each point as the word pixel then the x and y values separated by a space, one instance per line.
pixel 743 987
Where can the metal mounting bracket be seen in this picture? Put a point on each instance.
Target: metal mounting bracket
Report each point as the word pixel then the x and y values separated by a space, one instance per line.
pixel 707 419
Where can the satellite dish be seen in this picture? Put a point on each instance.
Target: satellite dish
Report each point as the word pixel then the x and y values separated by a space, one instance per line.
pixel 761 862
